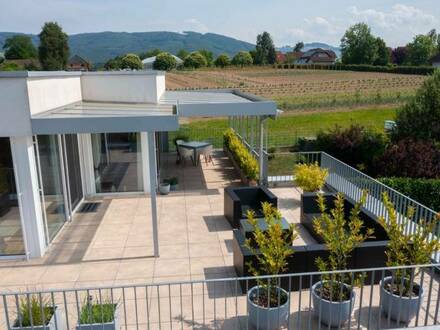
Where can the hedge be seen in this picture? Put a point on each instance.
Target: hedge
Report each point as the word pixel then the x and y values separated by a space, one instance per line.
pixel 424 191
pixel 401 69
pixel 247 163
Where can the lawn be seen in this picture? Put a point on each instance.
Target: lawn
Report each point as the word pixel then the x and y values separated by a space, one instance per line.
pixel 285 130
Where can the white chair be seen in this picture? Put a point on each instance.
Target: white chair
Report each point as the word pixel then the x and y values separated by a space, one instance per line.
pixel 207 154
pixel 185 153
pixel 178 143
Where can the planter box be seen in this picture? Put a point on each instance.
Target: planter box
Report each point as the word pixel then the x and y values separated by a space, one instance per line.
pixel 56 323
pixel 247 229
pixel 115 325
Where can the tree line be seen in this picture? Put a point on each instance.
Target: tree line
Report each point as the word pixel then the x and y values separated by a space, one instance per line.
pixel 52 52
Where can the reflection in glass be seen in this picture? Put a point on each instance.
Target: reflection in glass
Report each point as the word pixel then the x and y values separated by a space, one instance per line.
pixel 52 185
pixel 117 162
pixel 73 169
pixel 11 237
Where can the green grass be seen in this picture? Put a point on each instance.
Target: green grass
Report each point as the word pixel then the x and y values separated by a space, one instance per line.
pixel 288 128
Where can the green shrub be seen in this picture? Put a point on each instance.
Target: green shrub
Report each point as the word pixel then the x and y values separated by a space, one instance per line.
pixel 195 60
pixel 355 145
pixel 424 191
pixel 247 163
pixel 97 312
pixel 165 62
pixel 131 61
pixel 242 59
pixel 222 61
pixel 273 247
pixel 38 310
pixel 310 177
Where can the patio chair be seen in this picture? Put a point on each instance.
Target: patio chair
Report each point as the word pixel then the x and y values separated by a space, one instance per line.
pixel 185 153
pixel 207 154
pixel 177 143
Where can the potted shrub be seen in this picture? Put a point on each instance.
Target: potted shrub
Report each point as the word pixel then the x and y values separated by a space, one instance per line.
pixel 268 303
pixel 164 188
pixel 98 316
pixel 310 178
pixel 39 314
pixel 333 296
pixel 174 183
pixel 401 296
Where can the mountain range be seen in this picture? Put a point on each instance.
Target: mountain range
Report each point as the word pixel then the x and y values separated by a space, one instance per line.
pixel 98 47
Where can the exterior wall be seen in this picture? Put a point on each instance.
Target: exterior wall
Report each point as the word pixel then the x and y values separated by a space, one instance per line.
pixel 137 87
pixel 14 108
pixel 160 86
pixel 47 93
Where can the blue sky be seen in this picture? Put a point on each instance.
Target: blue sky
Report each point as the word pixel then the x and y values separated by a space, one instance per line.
pixel 287 20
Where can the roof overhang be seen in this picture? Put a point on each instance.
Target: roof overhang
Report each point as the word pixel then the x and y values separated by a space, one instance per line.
pixel 219 103
pixel 100 117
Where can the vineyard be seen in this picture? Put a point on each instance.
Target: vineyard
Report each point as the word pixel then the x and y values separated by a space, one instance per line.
pixel 305 89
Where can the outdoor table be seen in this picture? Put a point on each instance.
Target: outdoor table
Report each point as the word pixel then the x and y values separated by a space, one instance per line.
pixel 195 146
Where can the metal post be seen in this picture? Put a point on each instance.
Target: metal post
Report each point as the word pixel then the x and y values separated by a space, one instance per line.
pixel 261 152
pixel 153 187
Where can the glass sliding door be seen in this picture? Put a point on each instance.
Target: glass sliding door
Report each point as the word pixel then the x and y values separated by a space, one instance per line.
pixel 73 170
pixel 117 162
pixel 51 183
pixel 11 236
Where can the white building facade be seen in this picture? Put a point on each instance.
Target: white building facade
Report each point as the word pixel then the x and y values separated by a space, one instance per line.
pixel 67 136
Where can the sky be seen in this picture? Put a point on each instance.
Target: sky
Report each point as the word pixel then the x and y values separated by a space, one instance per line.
pixel 288 21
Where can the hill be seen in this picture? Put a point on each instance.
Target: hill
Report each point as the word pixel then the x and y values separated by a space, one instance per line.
pixel 312 45
pixel 100 46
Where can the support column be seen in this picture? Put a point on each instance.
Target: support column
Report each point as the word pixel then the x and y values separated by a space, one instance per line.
pixel 153 187
pixel 26 177
pixel 261 157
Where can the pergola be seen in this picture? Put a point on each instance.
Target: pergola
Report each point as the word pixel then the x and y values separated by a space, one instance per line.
pixel 247 116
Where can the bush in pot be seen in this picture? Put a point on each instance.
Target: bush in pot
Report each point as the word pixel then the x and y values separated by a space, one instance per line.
pixel 268 303
pixel 401 296
pixel 35 312
pixel 310 177
pixel 333 296
pixel 101 315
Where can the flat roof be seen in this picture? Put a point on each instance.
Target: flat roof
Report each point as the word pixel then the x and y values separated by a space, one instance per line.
pixel 106 117
pixel 218 103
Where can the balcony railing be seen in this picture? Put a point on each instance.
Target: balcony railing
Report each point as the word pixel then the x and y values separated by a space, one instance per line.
pixel 352 182
pixel 223 304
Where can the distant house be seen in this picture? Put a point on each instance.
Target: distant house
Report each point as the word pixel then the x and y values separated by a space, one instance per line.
pixel 317 56
pixel 436 61
pixel 148 62
pixel 281 57
pixel 289 57
pixel 77 63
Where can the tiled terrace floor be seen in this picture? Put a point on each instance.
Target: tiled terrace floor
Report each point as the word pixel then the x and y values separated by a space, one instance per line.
pixel 114 247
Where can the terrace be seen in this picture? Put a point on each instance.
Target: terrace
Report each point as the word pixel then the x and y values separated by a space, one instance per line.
pixel 193 283
pixel 86 223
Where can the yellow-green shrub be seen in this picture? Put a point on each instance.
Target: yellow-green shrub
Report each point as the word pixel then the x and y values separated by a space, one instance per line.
pixel 310 177
pixel 247 163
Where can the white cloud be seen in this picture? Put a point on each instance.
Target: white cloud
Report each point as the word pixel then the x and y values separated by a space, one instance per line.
pixel 194 24
pixel 400 19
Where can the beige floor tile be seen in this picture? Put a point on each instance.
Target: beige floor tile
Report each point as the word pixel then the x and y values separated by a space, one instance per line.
pixel 205 250
pixel 98 271
pixel 172 267
pixel 139 268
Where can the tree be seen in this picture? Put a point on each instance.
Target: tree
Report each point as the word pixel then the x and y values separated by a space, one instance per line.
pixel 383 53
pixel 420 117
pixel 399 55
pixel 150 53
pixel 182 53
pixel 164 61
pixel 195 60
pixel 358 45
pixel 265 49
pixel 222 60
pixel 208 55
pixel 131 61
pixel 53 51
pixel 114 63
pixel 298 47
pixel 420 50
pixel 19 47
pixel 242 59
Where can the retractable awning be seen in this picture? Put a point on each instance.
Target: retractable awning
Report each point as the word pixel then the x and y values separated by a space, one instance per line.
pixel 218 103
pixel 106 117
